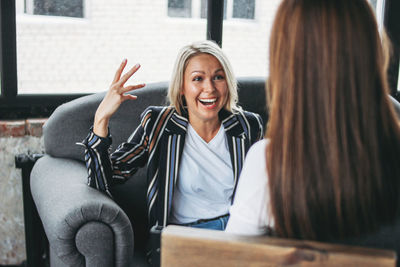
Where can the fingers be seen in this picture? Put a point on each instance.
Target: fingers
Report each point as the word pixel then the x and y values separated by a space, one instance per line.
pixel 131 87
pixel 127 75
pixel 129 97
pixel 119 71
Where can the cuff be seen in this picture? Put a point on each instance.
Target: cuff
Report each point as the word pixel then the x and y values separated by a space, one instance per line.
pixel 93 141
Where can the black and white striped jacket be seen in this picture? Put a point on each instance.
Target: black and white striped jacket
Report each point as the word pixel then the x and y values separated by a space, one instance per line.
pixel 158 143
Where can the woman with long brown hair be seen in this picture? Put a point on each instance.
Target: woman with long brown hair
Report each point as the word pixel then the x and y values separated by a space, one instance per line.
pixel 332 149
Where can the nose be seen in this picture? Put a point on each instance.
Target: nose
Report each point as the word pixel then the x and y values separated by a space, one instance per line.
pixel 209 85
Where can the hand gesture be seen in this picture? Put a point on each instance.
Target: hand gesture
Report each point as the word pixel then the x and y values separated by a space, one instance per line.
pixel 114 98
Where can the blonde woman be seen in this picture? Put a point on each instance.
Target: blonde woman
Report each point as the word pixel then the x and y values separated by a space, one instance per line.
pixel 193 149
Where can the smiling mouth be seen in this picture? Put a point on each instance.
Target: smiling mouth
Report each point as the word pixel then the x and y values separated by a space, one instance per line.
pixel 208 101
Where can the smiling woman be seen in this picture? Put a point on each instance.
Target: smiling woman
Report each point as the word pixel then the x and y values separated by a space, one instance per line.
pixel 193 149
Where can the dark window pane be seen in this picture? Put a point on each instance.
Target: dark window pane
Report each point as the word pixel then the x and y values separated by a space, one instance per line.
pixel 203 13
pixel 71 8
pixel 180 8
pixel 243 9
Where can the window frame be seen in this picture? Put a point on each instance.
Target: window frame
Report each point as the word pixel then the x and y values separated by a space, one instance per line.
pixel 15 106
pixel 12 105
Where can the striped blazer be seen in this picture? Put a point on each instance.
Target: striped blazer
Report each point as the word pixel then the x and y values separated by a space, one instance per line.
pixel 158 144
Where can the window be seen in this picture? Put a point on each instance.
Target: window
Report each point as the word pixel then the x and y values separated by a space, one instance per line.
pixel 58 58
pixel 233 9
pixel 180 8
pixel 243 9
pixel 58 55
pixel 247 44
pixel 71 8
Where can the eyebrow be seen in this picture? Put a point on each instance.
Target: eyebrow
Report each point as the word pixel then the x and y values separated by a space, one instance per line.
pixel 218 70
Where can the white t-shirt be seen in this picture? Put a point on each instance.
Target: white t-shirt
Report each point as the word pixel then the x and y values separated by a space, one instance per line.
pixel 205 181
pixel 250 212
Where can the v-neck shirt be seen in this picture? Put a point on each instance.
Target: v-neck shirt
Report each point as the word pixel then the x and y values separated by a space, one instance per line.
pixel 205 182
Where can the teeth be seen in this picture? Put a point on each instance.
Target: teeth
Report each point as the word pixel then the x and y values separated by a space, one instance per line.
pixel 210 100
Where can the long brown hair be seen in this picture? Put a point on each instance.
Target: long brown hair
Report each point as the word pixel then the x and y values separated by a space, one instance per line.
pixel 334 154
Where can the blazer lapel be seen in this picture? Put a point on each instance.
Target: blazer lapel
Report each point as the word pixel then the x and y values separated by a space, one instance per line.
pixel 237 142
pixel 172 148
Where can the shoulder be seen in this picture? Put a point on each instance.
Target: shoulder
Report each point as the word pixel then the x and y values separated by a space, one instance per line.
pixel 253 124
pixel 152 113
pixel 250 115
pixel 257 151
pixel 249 214
pixel 252 118
pixel 254 170
pixel 156 110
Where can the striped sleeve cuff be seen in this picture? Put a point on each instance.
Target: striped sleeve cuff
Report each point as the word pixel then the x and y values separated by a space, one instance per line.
pixel 97 160
pixel 93 141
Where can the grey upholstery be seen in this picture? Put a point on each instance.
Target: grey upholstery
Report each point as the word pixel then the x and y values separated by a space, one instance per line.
pixel 67 206
pixel 84 227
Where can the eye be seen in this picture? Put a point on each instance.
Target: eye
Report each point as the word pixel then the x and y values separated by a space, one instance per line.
pixel 197 79
pixel 219 77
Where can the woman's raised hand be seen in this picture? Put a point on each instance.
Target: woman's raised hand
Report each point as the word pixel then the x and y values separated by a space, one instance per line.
pixel 113 99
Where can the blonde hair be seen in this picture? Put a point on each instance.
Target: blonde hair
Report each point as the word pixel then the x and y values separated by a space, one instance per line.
pixel 185 54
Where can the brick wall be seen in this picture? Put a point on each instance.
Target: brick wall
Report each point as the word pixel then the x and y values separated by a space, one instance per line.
pixel 16 137
pixel 21 128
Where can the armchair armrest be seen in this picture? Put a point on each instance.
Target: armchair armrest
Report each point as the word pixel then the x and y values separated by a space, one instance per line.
pixel 79 221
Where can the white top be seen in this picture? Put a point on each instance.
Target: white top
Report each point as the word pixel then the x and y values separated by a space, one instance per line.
pixel 205 181
pixel 250 212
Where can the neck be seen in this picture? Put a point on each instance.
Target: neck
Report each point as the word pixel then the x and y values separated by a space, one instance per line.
pixel 206 130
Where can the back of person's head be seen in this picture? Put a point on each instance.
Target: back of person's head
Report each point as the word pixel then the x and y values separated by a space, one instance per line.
pixel 333 161
pixel 187 52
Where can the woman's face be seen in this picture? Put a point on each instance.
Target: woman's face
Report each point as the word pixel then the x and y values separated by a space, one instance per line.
pixel 205 88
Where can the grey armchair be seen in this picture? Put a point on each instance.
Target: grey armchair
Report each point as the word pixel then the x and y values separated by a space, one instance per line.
pixel 85 227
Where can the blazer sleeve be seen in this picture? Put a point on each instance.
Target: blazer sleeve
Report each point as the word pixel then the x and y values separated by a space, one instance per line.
pixel 105 168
